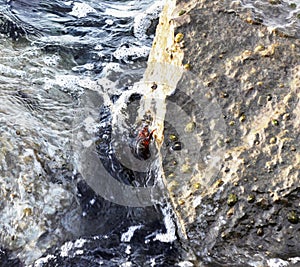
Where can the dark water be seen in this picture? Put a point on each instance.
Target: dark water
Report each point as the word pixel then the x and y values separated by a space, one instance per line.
pixel 63 65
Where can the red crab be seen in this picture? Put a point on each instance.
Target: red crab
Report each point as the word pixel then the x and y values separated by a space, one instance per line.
pixel 141 147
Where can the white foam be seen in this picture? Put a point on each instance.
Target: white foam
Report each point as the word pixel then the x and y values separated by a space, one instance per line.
pixel 81 10
pixel 51 60
pixel 79 242
pixel 143 20
pixel 8 71
pixel 111 66
pixel 87 66
pixel 126 237
pixel 134 52
pixel 277 262
pixel 65 248
pixel 109 22
pixel 185 264
pixel 79 252
pixel 170 235
pixel 128 250
pixel 68 3
pixel 72 83
pixel 98 47
pixel 126 264
pixel 294 260
pixel 40 262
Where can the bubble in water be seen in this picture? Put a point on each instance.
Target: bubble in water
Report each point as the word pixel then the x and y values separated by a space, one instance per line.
pixel 143 21
pixel 131 52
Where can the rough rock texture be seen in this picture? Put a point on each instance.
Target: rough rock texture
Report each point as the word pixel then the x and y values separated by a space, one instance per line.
pixel 37 201
pixel 248 213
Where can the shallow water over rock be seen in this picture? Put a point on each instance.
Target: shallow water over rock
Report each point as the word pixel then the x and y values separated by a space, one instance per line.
pixel 276 14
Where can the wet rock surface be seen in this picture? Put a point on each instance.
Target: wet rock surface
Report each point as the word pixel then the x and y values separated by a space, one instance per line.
pixel 248 212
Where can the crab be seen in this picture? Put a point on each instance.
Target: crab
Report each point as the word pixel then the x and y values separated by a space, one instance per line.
pixel 142 143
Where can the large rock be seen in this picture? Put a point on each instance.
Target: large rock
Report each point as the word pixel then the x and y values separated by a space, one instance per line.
pixel 246 212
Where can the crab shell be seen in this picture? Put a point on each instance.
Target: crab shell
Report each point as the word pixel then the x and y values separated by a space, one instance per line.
pixel 141 149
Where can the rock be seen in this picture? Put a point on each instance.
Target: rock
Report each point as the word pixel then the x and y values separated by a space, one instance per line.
pixel 246 69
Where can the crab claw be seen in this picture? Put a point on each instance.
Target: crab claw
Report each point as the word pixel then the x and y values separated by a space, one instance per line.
pixel 151 134
pixel 142 149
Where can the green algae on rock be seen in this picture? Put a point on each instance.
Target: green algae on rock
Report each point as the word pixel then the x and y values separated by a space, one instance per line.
pixel 182 12
pixel 179 37
pixel 232 199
